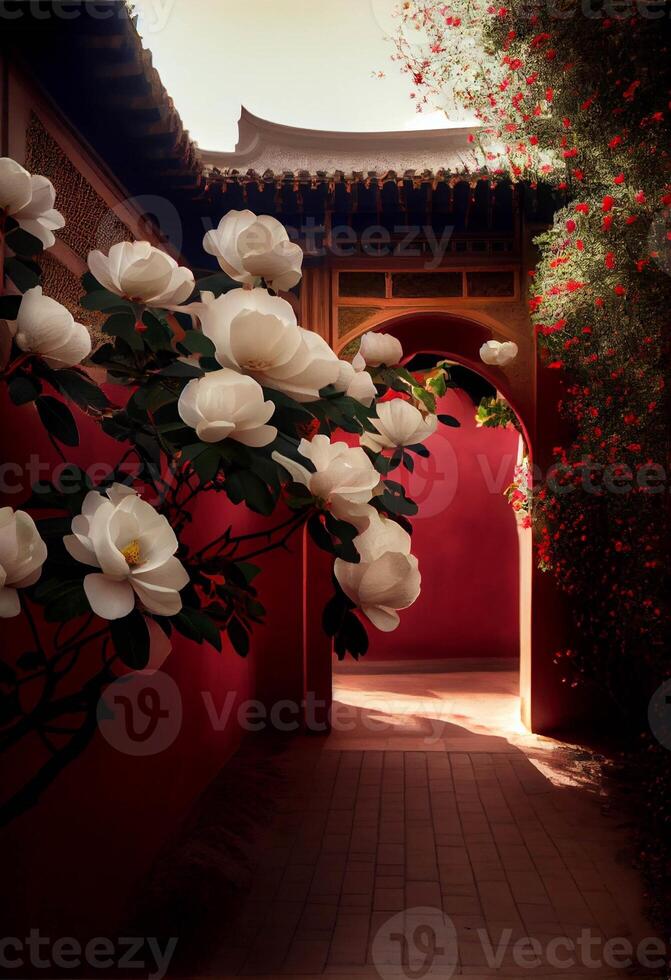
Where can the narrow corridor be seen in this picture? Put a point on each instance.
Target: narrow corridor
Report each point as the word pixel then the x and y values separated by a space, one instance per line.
pixel 430 836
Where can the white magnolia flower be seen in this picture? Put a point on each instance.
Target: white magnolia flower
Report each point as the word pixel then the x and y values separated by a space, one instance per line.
pixel 356 383
pixel 29 199
pixel 227 405
pixel 498 354
pixel 138 271
pixel 134 548
pixel 257 334
pixel 46 328
pixel 344 477
pixel 387 576
pixel 247 247
pixel 22 554
pixel 379 348
pixel 398 424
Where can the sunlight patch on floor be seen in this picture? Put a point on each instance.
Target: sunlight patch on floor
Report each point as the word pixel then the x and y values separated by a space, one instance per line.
pixel 451 704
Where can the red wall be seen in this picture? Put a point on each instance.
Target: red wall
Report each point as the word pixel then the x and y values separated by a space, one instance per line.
pixel 77 854
pixel 465 538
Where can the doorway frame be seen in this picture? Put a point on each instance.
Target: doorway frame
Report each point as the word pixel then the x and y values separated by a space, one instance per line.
pixel 438 336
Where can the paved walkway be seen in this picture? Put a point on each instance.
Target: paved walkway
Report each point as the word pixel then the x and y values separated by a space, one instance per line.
pixel 429 834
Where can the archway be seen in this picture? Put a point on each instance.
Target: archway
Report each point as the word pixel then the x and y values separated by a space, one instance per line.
pixel 472 502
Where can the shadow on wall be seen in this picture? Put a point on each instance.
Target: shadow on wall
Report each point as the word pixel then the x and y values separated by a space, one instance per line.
pixel 465 538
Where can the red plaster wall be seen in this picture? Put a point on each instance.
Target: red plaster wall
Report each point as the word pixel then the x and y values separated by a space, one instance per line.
pixel 465 538
pixel 77 855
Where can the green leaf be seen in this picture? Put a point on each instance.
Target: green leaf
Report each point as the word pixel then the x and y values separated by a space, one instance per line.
pixel 419 450
pixel 438 385
pixel 394 500
pixel 202 626
pixel 197 343
pixel 149 399
pixel 249 571
pixel 103 301
pixel 123 325
pixel 48 589
pixel 425 397
pixel 354 635
pixel 319 534
pixel 334 612
pixel 22 242
pixel 344 534
pixel 130 636
pixel 449 420
pixel 73 485
pixel 218 283
pixel 158 335
pixel 247 486
pixel 207 463
pixel 381 463
pixel 238 636
pixel 180 369
pixel 23 389
pixel 67 602
pixel 23 273
pixel 57 419
pixel 80 389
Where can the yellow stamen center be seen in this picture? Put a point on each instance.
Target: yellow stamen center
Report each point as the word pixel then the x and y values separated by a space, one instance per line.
pixel 257 364
pixel 132 554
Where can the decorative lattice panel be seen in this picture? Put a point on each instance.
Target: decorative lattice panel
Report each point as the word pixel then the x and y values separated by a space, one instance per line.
pixel 362 284
pixel 350 349
pixel 422 285
pixel 89 222
pixel 62 285
pixel 491 284
pixel 350 317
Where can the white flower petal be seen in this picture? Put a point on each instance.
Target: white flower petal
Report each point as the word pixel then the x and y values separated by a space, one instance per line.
pixel 80 550
pixel 15 186
pixel 159 600
pixel 170 574
pixel 10 604
pixel 298 473
pixel 262 435
pixel 380 348
pixel 224 404
pixel 248 247
pixel 382 617
pixel 141 272
pixel 109 598
pixel 498 354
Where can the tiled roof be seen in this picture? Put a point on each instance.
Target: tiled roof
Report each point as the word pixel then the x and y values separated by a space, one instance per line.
pixel 99 74
pixel 271 152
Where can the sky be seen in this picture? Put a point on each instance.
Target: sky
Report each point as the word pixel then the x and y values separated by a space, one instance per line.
pixel 307 63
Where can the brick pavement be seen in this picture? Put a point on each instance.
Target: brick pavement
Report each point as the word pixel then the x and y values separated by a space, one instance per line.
pixel 363 835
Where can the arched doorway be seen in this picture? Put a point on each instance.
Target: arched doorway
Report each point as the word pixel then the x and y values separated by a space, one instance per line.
pixel 474 556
